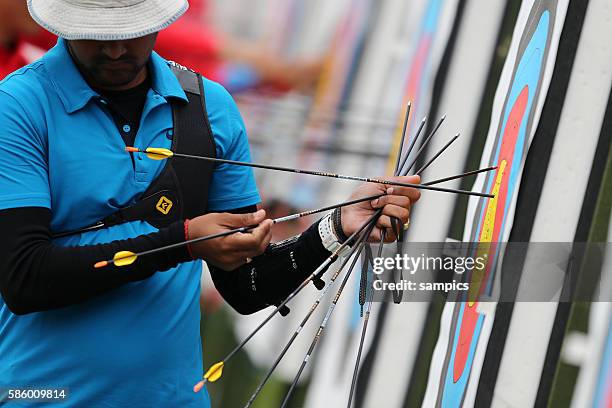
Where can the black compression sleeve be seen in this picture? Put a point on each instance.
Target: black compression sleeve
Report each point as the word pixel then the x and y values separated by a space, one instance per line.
pixel 271 277
pixel 36 275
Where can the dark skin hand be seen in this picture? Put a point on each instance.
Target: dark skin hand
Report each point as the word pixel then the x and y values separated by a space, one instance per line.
pixel 228 253
pixel 397 204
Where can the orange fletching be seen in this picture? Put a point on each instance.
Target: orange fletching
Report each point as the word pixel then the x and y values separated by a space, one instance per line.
pixel 132 149
pixel 101 264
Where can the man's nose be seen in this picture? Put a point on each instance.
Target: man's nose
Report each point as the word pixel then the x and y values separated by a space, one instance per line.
pixel 114 49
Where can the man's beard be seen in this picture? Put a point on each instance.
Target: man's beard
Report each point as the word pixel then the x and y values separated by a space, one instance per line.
pixel 106 74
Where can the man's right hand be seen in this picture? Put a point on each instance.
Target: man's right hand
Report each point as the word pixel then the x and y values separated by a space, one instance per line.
pixel 228 253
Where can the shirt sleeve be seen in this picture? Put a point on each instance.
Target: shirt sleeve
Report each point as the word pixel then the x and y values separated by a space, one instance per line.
pixel 36 275
pixel 231 186
pixel 24 177
pixel 272 276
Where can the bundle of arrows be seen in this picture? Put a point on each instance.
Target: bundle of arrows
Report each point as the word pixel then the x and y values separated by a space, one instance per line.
pixel 405 162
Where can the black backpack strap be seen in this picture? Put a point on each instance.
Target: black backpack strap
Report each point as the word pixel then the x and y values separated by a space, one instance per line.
pixel 190 80
pixel 192 135
pixel 181 189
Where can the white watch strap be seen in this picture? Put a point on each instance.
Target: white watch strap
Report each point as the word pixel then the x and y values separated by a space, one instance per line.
pixel 328 236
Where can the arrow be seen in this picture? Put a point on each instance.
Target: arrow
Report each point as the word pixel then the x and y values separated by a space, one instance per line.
pixel 156 153
pixel 320 330
pixel 401 145
pixel 216 370
pixel 122 258
pixel 331 308
pixel 446 146
pixel 425 143
pixel 125 258
pixel 412 144
pixel 366 319
pixel 354 254
pixel 458 176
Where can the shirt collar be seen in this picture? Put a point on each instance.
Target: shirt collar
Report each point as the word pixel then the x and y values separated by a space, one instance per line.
pixel 74 91
pixel 164 81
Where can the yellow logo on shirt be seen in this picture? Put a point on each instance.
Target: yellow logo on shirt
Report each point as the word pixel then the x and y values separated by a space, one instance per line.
pixel 164 205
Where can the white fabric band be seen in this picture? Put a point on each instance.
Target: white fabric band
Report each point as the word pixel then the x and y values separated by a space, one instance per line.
pixel 328 236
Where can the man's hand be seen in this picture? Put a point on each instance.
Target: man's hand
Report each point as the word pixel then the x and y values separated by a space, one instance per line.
pixel 396 203
pixel 228 253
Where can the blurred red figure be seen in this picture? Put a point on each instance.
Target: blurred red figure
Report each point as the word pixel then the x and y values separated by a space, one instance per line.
pixel 17 31
pixel 190 42
pixel 236 64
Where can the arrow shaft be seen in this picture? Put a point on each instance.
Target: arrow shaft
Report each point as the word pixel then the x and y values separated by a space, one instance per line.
pixel 333 175
pixel 246 229
pixel 425 143
pixel 401 145
pixel 277 362
pixel 302 214
pixel 331 259
pixel 354 255
pixel 324 322
pixel 363 331
pixel 438 154
pixel 458 176
pixel 380 248
pixel 293 294
pixel 412 144
pixel 360 351
pixel 328 208
pixel 196 240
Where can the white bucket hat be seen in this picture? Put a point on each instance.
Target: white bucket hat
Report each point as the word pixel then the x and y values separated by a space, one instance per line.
pixel 106 20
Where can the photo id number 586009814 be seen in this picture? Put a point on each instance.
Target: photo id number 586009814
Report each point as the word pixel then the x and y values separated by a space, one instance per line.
pixel 29 394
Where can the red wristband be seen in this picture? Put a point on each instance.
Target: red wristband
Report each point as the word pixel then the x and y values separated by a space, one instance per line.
pixel 186 226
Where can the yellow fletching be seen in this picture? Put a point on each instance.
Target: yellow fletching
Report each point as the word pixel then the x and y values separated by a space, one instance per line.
pixel 214 372
pixel 157 153
pixel 124 258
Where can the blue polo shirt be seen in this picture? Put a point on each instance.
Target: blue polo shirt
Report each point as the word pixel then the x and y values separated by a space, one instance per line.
pixel 139 345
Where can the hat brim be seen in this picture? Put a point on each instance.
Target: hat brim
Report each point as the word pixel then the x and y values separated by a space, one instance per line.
pixel 72 22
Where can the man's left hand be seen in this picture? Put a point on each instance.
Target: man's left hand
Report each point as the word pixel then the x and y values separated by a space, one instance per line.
pixel 397 204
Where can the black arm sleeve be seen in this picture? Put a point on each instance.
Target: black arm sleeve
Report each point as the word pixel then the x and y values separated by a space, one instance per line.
pixel 272 276
pixel 36 275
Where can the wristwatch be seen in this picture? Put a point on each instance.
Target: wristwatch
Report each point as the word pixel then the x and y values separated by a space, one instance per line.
pixel 329 238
